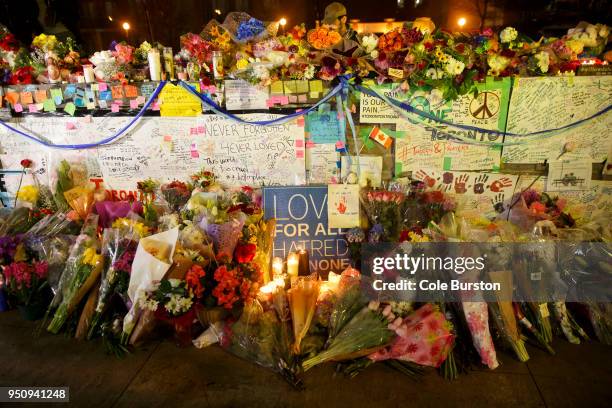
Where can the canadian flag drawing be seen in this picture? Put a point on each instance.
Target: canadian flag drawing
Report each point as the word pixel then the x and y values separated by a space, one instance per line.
pixel 381 137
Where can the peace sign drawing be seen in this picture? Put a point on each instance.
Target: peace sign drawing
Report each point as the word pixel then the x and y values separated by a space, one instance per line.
pixel 485 105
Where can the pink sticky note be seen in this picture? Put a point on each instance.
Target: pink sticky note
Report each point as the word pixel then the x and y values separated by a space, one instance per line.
pixel 201 130
pixel 283 100
pixel 114 108
pixel 118 102
pixel 155 106
pixel 299 154
pixel 193 131
pixel 195 154
pixel 292 98
pixel 133 104
pixel 102 86
pixel 141 100
pixel 167 138
pixel 309 144
pixel 302 98
pixel 299 143
pixel 270 103
pixel 339 145
pixel 70 126
pixel 86 119
pixel 18 107
pixel 300 121
pixel 32 108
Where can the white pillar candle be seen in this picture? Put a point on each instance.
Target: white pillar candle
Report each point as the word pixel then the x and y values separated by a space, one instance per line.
pixel 89 74
pixel 154 64
pixel 293 263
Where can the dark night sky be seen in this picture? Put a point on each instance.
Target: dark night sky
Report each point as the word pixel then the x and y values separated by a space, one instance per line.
pixel 88 20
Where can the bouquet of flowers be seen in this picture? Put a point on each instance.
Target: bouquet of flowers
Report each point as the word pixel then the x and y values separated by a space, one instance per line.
pixel 118 251
pixel 27 283
pixel 82 271
pixel 365 333
pixel 302 301
pixel 323 37
pixel 176 194
pixel 382 209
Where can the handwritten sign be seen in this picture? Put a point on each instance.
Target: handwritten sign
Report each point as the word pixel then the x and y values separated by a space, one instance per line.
pixel 324 127
pixel 302 222
pixel 375 110
pixel 564 175
pixel 429 144
pixel 552 102
pixel 365 170
pixel 322 163
pixel 343 205
pixel 177 101
pixel 240 95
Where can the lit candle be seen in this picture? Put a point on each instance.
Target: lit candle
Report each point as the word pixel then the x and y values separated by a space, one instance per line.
pixel 168 62
pixel 154 64
pixel 277 268
pixel 304 268
pixel 293 263
pixel 333 280
pixel 89 74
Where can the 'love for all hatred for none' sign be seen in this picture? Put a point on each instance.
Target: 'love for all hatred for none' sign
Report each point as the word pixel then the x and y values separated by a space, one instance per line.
pixel 302 222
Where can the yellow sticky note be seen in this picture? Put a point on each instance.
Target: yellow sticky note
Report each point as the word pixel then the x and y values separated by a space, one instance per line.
pixel 290 87
pixel 301 87
pixel 177 101
pixel 276 87
pixel 314 95
pixel 316 86
pixel 94 87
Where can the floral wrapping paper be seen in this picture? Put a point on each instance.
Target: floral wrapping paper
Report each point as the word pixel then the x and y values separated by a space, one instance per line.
pixel 425 337
pixel 477 317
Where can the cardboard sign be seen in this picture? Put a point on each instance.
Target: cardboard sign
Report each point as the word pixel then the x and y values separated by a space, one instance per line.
pixel 302 222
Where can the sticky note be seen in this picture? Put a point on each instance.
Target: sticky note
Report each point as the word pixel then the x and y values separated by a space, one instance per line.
pixel 56 94
pixel 106 95
pixel 118 102
pixel 86 119
pixel 299 154
pixel 133 104
pixel 69 91
pixel 49 105
pixel 102 103
pixel 300 121
pixel 32 108
pixel 339 145
pixel 283 100
pixel 314 95
pixel 91 105
pixel 95 87
pixel 130 91
pixel 290 87
pixel 309 144
pixel 79 102
pixel 18 107
pixel 302 98
pixel 26 98
pixel 316 86
pixel 195 154
pixel 193 131
pixel 167 138
pixel 301 86
pixel 70 108
pixel 270 102
pixel 114 108
pixel 292 98
pixel 299 143
pixel 70 126
pixel 276 87
pixel 117 91
pixel 40 96
pixel 201 130
pixel 12 97
pixel 102 86
pixel 141 100
pixel 155 106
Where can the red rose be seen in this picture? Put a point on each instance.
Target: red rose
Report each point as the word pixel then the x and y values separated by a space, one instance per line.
pixel 245 253
pixel 22 76
pixel 26 163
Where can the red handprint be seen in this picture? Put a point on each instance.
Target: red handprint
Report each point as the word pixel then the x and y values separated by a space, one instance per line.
pixel 429 181
pixel 460 184
pixel 499 185
pixel 341 206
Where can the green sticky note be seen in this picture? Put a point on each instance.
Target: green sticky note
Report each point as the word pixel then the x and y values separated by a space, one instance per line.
pixel 316 86
pixel 447 163
pixel 398 169
pixel 276 87
pixel 57 93
pixel 70 108
pixel 49 105
pixel 290 87
pixel 301 86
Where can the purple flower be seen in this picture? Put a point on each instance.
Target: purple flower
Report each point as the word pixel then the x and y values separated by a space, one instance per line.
pixel 531 196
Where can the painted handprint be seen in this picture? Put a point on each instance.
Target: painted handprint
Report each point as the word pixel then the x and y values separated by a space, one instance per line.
pixel 460 184
pixel 499 185
pixel 426 178
pixel 498 202
pixel 479 183
pixel 341 206
pixel 447 177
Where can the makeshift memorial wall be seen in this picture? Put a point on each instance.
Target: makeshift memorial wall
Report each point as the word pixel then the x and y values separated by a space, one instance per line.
pixel 548 103
pixel 302 223
pixel 165 148
pixel 419 143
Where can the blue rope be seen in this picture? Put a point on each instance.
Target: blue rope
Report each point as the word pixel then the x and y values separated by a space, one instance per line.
pixel 96 144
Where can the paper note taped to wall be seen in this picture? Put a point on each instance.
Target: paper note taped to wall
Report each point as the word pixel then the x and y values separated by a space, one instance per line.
pixel 177 101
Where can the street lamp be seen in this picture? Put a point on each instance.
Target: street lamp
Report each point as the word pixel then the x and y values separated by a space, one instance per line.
pixel 461 22
pixel 126 27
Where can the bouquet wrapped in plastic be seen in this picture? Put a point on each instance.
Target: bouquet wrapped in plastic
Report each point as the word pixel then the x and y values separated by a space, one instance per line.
pixel 118 250
pixel 424 337
pixel 302 302
pixel 383 210
pixel 242 27
pixel 82 271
